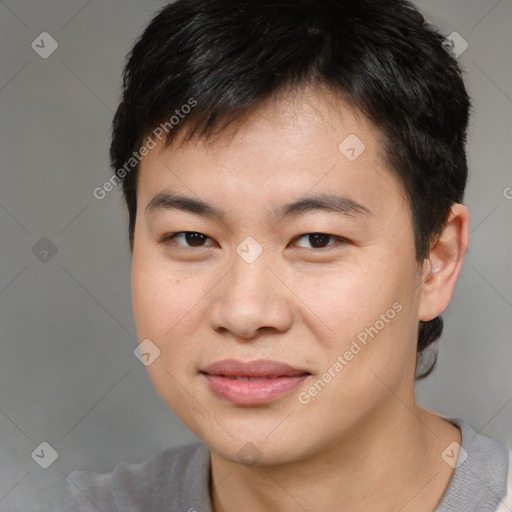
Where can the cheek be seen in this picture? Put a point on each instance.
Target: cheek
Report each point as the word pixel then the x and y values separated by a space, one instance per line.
pixel 348 302
pixel 153 290
pixel 161 304
pixel 370 322
pixel 164 311
pixel 167 309
pixel 372 345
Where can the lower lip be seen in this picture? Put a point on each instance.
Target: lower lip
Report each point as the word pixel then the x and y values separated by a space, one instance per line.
pixel 253 392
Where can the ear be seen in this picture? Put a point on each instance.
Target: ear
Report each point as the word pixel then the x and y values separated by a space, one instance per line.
pixel 444 263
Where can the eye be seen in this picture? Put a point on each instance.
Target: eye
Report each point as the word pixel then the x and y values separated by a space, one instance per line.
pixel 319 240
pixel 190 238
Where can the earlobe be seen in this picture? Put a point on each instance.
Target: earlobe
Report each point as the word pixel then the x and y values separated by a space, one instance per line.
pixel 444 263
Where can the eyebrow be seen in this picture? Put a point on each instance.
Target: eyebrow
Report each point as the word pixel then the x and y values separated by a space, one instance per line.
pixel 321 202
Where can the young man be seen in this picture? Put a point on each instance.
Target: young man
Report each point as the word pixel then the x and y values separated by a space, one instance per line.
pixel 294 173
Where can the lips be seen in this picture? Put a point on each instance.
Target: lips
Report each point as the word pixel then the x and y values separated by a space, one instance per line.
pixel 259 369
pixel 254 383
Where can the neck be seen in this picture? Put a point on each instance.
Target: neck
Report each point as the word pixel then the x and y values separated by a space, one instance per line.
pixel 391 461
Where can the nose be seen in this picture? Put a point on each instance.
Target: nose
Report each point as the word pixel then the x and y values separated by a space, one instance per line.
pixel 251 300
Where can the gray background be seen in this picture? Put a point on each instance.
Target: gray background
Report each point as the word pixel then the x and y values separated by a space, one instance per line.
pixel 68 375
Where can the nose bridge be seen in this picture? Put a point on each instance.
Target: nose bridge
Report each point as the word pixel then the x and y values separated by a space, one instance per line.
pixel 249 299
pixel 249 276
pixel 251 279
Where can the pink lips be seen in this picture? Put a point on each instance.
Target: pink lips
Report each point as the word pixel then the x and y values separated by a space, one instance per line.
pixel 253 383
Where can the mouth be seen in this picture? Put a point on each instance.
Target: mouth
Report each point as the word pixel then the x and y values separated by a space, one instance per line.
pixel 252 383
pixel 258 369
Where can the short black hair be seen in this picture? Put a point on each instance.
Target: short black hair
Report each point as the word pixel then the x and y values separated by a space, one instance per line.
pixel 222 58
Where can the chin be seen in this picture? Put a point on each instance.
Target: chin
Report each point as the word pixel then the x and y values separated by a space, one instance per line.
pixel 254 447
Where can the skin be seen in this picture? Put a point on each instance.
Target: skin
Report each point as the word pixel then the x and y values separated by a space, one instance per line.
pixel 361 441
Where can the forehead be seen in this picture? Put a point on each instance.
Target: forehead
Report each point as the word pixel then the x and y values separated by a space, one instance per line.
pixel 290 145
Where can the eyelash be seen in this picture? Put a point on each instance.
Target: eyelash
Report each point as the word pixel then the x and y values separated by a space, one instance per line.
pixel 341 241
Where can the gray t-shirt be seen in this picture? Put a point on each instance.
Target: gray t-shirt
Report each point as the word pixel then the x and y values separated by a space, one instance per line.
pixel 177 480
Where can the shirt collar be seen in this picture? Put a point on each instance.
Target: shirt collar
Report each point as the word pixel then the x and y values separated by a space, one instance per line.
pixel 479 479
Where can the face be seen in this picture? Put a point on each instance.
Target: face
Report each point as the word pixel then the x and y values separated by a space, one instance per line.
pixel 328 286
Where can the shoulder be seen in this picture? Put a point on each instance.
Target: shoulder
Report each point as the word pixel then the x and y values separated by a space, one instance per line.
pixel 172 479
pixel 482 476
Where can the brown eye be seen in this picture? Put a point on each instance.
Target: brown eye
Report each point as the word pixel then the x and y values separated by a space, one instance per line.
pixel 319 240
pixel 190 238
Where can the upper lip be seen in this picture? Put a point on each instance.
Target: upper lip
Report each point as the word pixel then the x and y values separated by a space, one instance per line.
pixel 258 368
